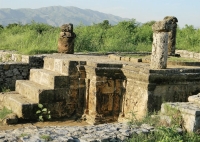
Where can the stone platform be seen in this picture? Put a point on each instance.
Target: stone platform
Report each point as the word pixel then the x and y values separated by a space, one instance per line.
pixel 188 111
pixel 100 89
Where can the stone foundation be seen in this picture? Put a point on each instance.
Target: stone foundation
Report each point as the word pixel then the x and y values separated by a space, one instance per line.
pixel 16 67
pixel 100 89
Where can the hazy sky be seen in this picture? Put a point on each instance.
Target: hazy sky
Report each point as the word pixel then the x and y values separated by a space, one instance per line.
pixel 187 11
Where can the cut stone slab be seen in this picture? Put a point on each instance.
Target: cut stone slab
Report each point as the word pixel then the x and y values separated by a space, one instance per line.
pixel 19 104
pixel 135 60
pixel 194 99
pixel 62 64
pixel 114 57
pixel 34 91
pixel 189 111
pixel 49 78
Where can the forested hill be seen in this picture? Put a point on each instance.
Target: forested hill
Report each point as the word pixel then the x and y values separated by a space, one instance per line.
pixel 56 16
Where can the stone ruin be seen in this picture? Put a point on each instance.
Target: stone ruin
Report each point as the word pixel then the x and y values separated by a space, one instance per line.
pixel 172 34
pixel 100 89
pixel 66 39
pixel 164 39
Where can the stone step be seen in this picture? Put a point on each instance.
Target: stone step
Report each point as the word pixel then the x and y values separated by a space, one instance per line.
pixel 64 64
pixel 19 104
pixel 49 78
pixel 188 111
pixel 194 99
pixel 57 65
pixel 34 91
pixel 40 93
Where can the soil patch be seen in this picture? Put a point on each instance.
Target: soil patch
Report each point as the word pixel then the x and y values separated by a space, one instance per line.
pixel 63 123
pixel 60 122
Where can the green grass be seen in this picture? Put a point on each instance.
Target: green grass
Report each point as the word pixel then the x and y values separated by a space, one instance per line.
pixel 166 134
pixel 163 131
pixel 26 39
pixel 4 89
pixel 46 137
pixel 170 58
pixel 4 112
pixel 181 59
pixel 126 36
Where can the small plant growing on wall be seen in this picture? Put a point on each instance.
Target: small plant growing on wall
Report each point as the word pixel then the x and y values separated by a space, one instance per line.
pixel 19 58
pixel 5 89
pixel 175 116
pixel 43 113
pixel 8 57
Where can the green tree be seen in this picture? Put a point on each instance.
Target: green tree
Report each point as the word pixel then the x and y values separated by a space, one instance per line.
pixel 1 27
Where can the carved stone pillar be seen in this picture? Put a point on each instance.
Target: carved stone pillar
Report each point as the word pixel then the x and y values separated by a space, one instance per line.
pixel 66 39
pixel 160 44
pixel 172 34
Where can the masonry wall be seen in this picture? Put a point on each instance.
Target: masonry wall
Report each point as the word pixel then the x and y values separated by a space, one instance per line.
pixel 109 92
pixel 16 67
pixel 145 90
pixel 104 93
pixel 172 85
pixel 188 54
pixel 10 72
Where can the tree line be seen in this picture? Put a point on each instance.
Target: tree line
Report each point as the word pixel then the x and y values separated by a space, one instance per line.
pixel 126 36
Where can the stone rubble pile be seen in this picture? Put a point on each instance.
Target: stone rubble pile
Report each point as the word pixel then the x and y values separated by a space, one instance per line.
pixel 112 132
pixel 188 111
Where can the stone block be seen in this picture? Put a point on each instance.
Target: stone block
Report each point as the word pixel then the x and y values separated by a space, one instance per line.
pixel 49 78
pixel 197 55
pixel 49 63
pixel 125 58
pixel 61 94
pixel 60 109
pixel 20 105
pixel 35 91
pixel 107 87
pixel 161 26
pixel 194 99
pixel 77 83
pixel 114 57
pixel 135 60
pixel 190 113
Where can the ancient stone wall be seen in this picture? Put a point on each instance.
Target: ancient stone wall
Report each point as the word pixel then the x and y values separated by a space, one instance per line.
pixel 16 67
pixel 10 72
pixel 172 34
pixel 172 85
pixel 104 92
pixel 35 61
pixel 188 54
pixel 145 90
pixel 71 102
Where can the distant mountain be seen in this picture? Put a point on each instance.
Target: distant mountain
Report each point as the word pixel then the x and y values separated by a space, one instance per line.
pixel 56 16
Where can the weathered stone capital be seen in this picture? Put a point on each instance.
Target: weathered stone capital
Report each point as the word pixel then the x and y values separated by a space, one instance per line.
pixel 161 26
pixel 67 27
pixel 173 19
pixel 67 35
pixel 166 25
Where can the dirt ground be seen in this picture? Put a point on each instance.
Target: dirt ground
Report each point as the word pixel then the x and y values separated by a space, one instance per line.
pixel 61 122
pixel 43 124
